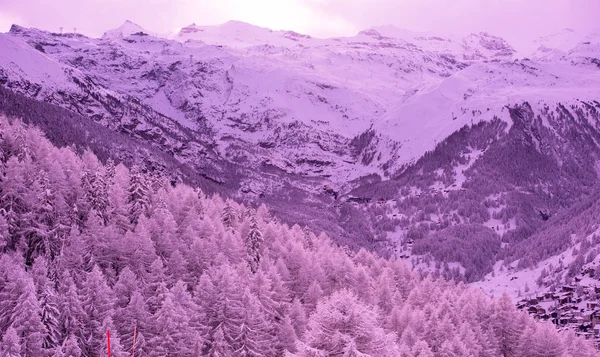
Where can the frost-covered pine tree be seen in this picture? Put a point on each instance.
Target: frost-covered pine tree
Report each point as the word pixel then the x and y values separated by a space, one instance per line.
pixel 27 322
pixel 229 216
pixel 507 326
pixel 138 195
pixel 171 330
pixel 343 325
pixel 254 242
pixel 69 348
pixel 10 346
pixel 49 303
pixel 218 346
pixel 97 301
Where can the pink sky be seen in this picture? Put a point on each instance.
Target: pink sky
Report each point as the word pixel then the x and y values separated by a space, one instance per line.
pixel 515 20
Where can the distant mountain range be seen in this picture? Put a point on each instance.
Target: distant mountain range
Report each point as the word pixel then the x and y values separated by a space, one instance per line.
pixel 460 155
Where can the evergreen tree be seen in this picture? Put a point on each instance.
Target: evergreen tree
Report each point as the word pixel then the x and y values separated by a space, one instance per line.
pixel 286 337
pixel 506 326
pixel 47 297
pixel 218 346
pixel 97 301
pixel 135 314
pixel 115 341
pixel 297 315
pixel 252 339
pixel 69 348
pixel 72 316
pixel 155 286
pixel 27 322
pixel 138 195
pixel 10 346
pixel 254 242
pixel 229 216
pixel 141 348
pixel 342 324
pixel 172 333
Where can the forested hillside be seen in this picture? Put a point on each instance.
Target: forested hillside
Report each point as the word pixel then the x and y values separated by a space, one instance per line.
pixel 88 246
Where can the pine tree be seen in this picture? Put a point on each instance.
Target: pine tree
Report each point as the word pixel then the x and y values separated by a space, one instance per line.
pixel 141 348
pixel 48 299
pixel 136 249
pixel 27 322
pixel 109 171
pixel 4 234
pixel 540 341
pixel 252 339
pixel 138 195
pixel 421 349
pixel 229 217
pixel 312 296
pixel 297 315
pixel 69 348
pixel 218 346
pixel 309 238
pixel 135 314
pixel 10 346
pixel 342 324
pixel 71 315
pixel 124 288
pixel 155 286
pixel 100 200
pixel 118 210
pixel 286 336
pixel 116 348
pixel 254 243
pixel 506 326
pixel 97 302
pixel 50 317
pixel 172 333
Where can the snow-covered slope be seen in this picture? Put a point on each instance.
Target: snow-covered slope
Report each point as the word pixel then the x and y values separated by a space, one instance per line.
pixel 238 34
pixel 479 93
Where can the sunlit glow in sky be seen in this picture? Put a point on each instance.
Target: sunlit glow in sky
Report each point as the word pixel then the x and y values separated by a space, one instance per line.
pixel 515 20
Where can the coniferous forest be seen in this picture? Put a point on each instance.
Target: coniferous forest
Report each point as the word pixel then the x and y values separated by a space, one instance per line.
pixel 89 246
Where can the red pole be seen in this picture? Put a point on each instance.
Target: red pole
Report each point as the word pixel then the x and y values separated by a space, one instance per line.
pixel 108 339
pixel 133 347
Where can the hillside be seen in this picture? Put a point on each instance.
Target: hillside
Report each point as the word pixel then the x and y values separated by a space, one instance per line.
pixel 88 247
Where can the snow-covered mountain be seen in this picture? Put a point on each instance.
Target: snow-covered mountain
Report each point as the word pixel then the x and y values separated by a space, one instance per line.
pixel 128 28
pixel 394 136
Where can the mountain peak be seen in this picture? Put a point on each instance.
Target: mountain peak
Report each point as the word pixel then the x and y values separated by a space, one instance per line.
pixel 393 32
pixel 14 28
pixel 126 29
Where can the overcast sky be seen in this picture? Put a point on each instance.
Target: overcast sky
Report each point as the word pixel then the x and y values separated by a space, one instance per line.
pixel 515 20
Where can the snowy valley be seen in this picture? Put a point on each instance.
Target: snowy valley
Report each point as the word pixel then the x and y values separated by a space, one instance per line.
pixel 459 156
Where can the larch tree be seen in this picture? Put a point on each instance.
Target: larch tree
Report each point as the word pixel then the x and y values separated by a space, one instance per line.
pixel 49 303
pixel 70 348
pixel 10 346
pixel 27 322
pixel 138 197
pixel 254 242
pixel 218 346
pixel 342 323
pixel 97 301
pixel 507 326
pixel 229 217
pixel 133 316
pixel 171 332
pixel 72 316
